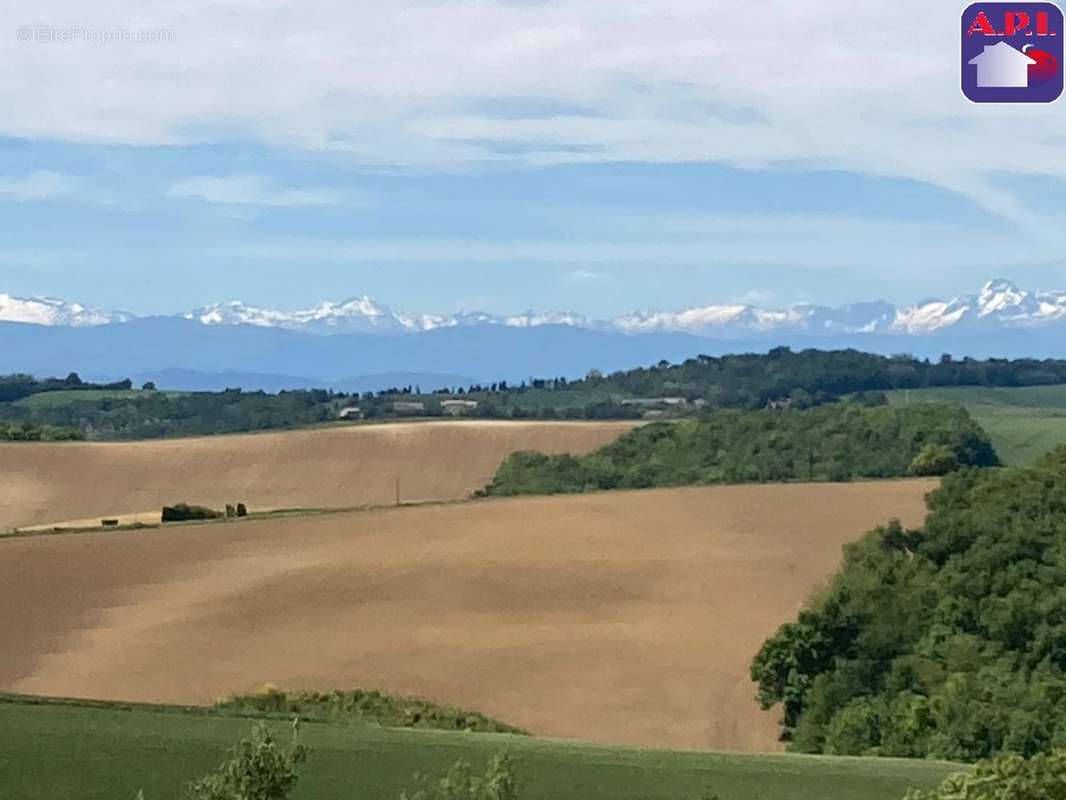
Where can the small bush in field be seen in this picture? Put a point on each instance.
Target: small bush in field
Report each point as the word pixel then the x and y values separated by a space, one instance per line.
pixel 462 783
pixel 181 512
pixel 256 769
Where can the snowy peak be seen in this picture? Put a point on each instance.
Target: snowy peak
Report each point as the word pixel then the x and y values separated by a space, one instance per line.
pixel 54 311
pixel 745 319
pixel 931 316
pixel 1004 300
pixel 366 315
pixel 999 304
pixel 532 319
pixel 358 315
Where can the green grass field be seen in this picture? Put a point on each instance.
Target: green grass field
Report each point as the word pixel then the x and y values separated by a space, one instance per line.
pixel 43 400
pixel 1023 423
pixel 69 751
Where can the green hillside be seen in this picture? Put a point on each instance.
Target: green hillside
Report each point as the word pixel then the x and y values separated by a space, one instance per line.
pixel 835 442
pixel 67 752
pixel 1022 422
pixel 58 399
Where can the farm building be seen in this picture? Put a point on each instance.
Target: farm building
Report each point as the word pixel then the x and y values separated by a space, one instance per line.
pixel 409 407
pixel 457 408
pixel 655 401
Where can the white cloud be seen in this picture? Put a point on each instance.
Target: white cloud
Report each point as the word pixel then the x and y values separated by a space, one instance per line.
pixel 584 275
pixel 250 190
pixel 40 185
pixel 864 86
pixel 898 249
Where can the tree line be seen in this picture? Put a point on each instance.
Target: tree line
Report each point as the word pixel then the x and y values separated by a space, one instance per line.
pixel 753 380
pixel 836 442
pixel 744 381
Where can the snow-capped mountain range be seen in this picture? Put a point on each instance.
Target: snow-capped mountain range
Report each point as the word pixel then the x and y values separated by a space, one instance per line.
pixel 54 311
pixel 999 304
pixel 366 315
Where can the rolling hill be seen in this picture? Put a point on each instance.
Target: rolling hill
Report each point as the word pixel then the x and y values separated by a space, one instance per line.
pixel 627 618
pixel 330 467
pixel 1022 422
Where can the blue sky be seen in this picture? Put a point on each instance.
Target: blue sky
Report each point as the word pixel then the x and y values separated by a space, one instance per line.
pixel 513 155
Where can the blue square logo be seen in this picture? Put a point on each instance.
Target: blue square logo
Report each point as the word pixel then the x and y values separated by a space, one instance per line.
pixel 1012 52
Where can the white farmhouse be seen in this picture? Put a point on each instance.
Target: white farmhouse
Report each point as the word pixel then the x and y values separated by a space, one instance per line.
pixel 456 408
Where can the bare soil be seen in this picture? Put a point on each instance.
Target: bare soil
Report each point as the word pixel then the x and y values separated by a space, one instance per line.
pixel 626 617
pixel 52 483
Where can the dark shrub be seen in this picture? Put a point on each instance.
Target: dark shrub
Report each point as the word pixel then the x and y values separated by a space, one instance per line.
pixel 365 706
pixel 181 512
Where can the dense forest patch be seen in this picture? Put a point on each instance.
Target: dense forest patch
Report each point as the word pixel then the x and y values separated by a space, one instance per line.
pixel 842 441
pixel 943 642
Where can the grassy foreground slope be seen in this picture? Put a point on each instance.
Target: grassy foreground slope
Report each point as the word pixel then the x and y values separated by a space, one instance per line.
pixel 334 467
pixel 71 753
pixel 1022 422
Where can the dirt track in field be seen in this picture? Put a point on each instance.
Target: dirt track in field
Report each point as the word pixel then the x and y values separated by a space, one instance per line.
pixel 42 483
pixel 625 617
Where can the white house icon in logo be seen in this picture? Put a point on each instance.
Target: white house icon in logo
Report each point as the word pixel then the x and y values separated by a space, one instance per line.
pixel 1000 66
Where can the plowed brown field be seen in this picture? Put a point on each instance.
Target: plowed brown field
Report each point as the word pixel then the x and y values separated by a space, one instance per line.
pixel 329 467
pixel 621 617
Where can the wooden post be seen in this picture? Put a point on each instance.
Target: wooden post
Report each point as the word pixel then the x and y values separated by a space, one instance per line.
pixel 397 491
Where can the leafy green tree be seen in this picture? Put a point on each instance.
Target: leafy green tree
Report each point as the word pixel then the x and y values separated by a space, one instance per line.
pixel 461 782
pixel 257 769
pixel 934 459
pixel 1042 777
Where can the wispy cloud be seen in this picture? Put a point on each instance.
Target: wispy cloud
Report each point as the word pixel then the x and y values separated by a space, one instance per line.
pixel 252 190
pixel 848 85
pixel 40 185
pixel 584 275
pixel 713 241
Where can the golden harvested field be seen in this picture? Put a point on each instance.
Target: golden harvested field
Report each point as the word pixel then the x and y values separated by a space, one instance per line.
pixel 625 617
pixel 328 467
